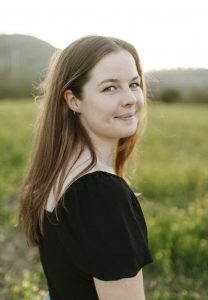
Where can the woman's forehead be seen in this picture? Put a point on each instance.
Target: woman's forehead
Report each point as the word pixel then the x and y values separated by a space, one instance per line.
pixel 118 65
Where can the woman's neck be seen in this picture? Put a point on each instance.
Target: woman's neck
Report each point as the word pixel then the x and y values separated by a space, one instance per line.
pixel 105 160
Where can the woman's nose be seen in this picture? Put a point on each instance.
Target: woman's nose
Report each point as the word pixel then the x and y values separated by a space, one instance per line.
pixel 128 97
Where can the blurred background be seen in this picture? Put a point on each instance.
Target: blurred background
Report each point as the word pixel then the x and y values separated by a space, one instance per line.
pixel 172 162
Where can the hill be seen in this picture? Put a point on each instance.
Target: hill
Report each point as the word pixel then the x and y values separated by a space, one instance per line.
pixel 23 61
pixel 183 80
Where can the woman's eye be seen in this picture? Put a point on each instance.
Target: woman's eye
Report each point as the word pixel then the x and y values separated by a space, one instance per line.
pixel 108 89
pixel 135 84
pixel 111 87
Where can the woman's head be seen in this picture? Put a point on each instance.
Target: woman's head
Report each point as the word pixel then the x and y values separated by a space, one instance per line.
pixel 112 89
pixel 73 83
pixel 72 70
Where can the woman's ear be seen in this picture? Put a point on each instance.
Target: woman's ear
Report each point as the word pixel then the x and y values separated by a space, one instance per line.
pixel 72 101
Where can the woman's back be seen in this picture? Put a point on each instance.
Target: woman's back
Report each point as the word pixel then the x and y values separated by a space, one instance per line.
pixel 98 244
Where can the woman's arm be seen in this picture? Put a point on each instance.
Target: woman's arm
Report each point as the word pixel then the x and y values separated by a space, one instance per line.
pixel 123 289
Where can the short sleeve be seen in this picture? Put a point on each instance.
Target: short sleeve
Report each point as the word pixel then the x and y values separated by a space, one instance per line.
pixel 102 228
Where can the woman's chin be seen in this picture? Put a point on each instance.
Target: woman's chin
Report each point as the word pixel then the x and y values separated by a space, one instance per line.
pixel 127 133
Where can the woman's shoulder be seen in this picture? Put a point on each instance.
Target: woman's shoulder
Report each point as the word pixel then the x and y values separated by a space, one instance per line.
pixel 94 181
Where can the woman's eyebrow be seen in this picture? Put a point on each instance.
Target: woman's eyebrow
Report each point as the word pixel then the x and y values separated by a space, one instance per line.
pixel 116 80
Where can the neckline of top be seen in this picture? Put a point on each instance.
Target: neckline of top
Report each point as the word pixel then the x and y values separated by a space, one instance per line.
pixel 95 172
pixel 86 175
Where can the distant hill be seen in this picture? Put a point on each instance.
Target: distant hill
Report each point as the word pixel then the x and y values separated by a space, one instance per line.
pixel 24 60
pixel 184 80
pixel 22 55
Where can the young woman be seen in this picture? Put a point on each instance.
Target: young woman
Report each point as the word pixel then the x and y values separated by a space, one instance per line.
pixel 75 204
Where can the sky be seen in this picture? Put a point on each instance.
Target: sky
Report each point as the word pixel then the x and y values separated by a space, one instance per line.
pixel 167 34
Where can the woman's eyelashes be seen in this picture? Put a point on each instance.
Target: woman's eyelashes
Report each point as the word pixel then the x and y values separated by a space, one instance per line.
pixel 108 89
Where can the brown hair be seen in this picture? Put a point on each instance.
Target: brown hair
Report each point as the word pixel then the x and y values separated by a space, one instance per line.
pixel 58 131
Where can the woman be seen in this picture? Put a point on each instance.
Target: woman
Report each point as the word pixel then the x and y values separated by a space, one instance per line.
pixel 75 205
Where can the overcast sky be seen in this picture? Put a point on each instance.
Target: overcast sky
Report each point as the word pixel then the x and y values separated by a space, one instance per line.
pixel 167 34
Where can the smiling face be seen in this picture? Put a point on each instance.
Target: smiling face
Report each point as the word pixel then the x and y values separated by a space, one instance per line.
pixel 113 90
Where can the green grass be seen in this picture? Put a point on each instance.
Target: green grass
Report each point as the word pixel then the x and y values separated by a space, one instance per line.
pixel 173 166
pixel 16 121
pixel 172 177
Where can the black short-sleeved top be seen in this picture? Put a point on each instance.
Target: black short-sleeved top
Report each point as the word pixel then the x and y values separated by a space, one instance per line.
pixel 100 232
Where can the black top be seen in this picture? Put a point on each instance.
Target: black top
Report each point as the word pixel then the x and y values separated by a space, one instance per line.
pixel 100 232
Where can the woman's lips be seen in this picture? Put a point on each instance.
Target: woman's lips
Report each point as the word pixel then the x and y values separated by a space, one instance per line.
pixel 126 117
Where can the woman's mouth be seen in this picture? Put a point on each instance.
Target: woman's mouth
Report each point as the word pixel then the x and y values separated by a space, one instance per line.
pixel 126 117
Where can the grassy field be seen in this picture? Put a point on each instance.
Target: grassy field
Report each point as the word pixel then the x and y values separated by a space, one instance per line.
pixel 172 176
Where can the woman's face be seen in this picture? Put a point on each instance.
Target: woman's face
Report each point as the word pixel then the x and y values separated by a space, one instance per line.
pixel 113 90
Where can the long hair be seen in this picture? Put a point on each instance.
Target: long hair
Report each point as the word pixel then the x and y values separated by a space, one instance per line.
pixel 57 131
